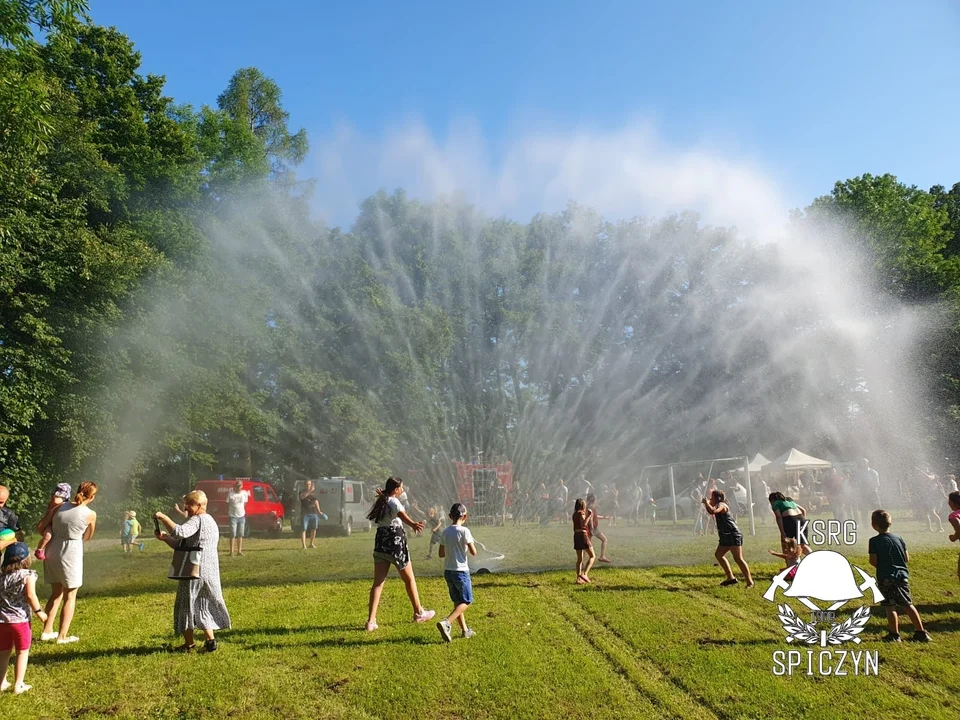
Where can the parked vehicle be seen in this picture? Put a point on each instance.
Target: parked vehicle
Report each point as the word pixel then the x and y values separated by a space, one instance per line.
pixel 342 499
pixel 264 512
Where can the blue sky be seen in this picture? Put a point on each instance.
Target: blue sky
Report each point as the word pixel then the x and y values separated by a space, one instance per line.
pixel 811 92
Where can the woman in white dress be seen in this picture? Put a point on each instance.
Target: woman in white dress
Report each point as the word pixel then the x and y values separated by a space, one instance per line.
pixel 73 523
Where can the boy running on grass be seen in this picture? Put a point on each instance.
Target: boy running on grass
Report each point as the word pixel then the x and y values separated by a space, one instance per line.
pixel 888 554
pixel 455 541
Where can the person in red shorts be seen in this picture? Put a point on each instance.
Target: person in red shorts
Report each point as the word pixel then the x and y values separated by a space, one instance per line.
pixel 18 598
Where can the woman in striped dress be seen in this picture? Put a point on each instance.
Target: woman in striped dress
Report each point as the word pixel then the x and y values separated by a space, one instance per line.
pixel 199 603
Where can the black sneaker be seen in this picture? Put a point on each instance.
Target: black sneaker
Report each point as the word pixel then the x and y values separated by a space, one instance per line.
pixel 210 645
pixel 891 637
pixel 921 636
pixel 728 583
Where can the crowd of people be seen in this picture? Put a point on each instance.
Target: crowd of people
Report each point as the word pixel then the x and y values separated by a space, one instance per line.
pixel 199 604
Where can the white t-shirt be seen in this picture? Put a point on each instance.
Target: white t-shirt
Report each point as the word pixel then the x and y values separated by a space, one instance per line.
pixel 389 518
pixel 455 540
pixel 236 502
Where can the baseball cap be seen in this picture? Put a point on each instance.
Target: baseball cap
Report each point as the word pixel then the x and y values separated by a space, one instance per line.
pixel 15 553
pixel 457 511
pixel 62 491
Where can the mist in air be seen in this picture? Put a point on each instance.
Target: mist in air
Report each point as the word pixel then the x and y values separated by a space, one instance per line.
pixel 578 303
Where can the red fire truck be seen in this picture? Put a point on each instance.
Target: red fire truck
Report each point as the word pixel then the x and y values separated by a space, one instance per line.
pixel 486 488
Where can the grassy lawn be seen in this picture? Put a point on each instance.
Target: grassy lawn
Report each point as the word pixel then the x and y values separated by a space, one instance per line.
pixel 653 637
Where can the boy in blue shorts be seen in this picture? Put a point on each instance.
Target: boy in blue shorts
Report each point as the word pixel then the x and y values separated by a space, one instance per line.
pixel 888 554
pixel 455 542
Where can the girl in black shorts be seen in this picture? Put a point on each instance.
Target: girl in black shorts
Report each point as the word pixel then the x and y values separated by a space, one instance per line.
pixel 730 538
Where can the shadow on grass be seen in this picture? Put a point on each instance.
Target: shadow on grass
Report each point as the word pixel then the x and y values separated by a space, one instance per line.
pixel 932 609
pixel 369 640
pixel 726 642
pixel 70 656
pixel 254 631
pixel 599 588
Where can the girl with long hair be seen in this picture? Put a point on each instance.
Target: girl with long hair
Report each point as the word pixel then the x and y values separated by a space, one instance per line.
pixel 730 539
pixel 390 548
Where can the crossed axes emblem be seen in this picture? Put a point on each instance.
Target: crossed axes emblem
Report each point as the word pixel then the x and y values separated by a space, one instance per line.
pixel 780 582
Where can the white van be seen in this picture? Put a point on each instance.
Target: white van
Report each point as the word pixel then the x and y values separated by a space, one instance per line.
pixel 343 501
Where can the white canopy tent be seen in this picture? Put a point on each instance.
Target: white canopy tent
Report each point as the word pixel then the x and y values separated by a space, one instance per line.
pixel 757 463
pixel 796 460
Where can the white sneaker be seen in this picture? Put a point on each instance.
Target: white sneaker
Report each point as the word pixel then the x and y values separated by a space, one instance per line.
pixel 424 616
pixel 21 689
pixel 468 633
pixel 5 685
pixel 71 639
pixel 444 627
pixel 372 626
pixel 48 636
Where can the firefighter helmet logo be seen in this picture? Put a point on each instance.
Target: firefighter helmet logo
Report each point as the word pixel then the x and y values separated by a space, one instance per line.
pixel 828 577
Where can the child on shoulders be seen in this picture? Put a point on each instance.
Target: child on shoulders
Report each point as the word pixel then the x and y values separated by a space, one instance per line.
pixel 60 495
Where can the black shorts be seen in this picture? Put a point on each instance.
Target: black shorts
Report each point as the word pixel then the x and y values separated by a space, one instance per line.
pixel 730 540
pixel 790 523
pixel 581 541
pixel 896 593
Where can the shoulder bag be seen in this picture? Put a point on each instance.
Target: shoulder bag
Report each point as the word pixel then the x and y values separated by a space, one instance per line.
pixel 186 557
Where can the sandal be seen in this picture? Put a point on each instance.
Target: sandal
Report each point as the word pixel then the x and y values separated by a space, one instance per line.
pixel 185 648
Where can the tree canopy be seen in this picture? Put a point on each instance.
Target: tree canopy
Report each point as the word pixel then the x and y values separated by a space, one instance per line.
pixel 169 308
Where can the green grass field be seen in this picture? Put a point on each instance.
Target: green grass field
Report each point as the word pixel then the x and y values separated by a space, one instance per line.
pixel 662 640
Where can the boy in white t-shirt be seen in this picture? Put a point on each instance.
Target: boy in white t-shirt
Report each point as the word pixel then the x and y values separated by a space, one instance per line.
pixel 455 541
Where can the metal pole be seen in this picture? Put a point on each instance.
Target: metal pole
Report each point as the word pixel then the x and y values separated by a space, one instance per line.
pixel 673 495
pixel 746 474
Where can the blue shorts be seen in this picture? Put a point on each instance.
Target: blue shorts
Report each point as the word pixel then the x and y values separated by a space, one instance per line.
pixel 311 522
pixel 459 585
pixel 237 526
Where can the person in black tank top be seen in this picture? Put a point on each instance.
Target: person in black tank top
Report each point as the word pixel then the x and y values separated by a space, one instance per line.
pixel 730 538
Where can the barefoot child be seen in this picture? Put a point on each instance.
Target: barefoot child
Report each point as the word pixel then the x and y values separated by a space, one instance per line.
pixel 581 540
pixel 18 598
pixel 888 554
pixel 60 495
pixel 791 555
pixel 436 528
pixel 729 540
pixel 953 499
pixel 594 530
pixel 455 542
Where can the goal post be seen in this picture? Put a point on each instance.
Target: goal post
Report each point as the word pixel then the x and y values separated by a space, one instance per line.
pixel 710 463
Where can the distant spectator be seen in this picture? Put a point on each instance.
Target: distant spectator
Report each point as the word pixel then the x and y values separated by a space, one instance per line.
pixel 8 518
pixel 309 515
pixel 237 500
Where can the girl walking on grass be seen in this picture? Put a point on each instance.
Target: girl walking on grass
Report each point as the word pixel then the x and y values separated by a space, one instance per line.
pixel 18 598
pixel 581 540
pixel 390 548
pixel 730 538
pixel 594 529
